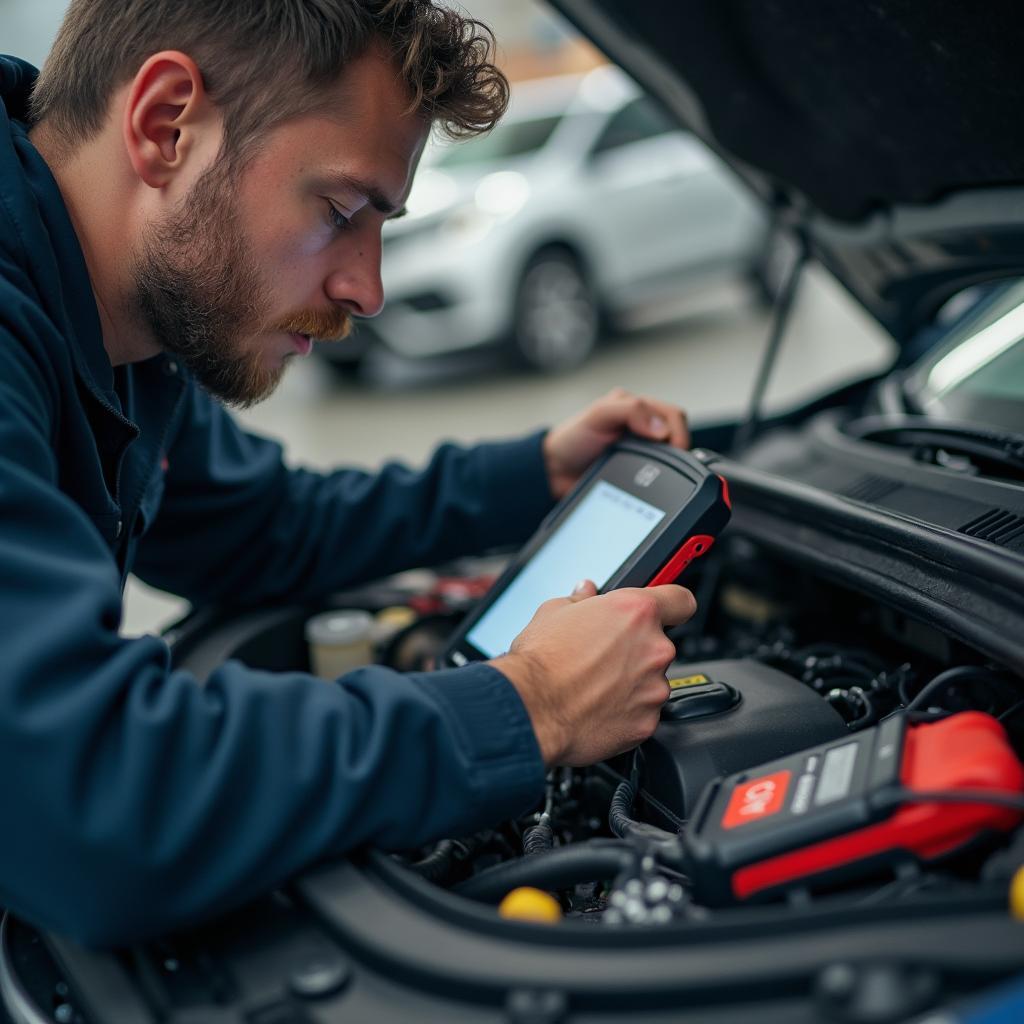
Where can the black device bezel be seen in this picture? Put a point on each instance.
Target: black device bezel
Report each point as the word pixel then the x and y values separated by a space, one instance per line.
pixel 700 509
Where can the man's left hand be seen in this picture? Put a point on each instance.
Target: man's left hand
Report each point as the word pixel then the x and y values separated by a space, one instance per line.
pixel 572 446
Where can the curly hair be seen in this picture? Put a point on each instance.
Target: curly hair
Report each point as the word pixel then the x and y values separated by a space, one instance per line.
pixel 266 61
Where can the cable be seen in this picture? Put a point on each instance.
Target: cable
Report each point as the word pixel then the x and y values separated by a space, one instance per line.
pixel 560 868
pixel 447 857
pixel 1010 712
pixel 619 816
pixel 961 673
pixel 437 864
pixel 997 797
pixel 869 714
pixel 644 838
pixel 539 838
pixel 848 657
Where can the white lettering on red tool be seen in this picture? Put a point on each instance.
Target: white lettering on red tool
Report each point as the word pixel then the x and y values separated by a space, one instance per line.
pixel 757 799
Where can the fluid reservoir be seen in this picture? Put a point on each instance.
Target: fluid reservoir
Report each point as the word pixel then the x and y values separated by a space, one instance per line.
pixel 723 717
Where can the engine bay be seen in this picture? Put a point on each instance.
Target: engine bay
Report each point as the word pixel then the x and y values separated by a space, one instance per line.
pixel 781 664
pixel 619 893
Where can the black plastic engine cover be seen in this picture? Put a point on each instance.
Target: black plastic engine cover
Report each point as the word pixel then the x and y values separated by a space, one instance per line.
pixel 776 715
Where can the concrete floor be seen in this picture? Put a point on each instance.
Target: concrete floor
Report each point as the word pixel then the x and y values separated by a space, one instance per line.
pixel 705 360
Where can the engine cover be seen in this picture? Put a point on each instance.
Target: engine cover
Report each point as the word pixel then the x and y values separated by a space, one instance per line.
pixel 741 714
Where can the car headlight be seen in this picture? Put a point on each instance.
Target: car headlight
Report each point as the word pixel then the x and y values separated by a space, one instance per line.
pixel 498 197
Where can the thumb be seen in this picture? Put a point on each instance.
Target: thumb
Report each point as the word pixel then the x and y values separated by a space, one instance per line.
pixel 583 590
pixel 646 422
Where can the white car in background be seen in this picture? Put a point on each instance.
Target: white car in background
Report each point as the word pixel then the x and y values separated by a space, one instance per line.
pixel 584 204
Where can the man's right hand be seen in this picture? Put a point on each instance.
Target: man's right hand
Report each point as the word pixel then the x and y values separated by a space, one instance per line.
pixel 591 669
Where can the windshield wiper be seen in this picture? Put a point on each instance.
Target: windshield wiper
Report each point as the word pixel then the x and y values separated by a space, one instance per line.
pixel 963 448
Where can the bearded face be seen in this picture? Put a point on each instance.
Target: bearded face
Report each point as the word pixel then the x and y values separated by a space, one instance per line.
pixel 197 286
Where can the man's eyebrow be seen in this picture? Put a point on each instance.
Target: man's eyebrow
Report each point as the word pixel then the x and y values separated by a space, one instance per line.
pixel 375 196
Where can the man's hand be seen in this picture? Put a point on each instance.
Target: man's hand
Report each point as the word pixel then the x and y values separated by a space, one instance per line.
pixel 591 669
pixel 572 446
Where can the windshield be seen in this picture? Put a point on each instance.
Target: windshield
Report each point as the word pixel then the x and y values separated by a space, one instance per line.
pixel 509 139
pixel 978 375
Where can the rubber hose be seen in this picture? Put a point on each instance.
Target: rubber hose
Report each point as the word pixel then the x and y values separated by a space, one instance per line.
pixel 539 839
pixel 619 812
pixel 437 864
pixel 558 869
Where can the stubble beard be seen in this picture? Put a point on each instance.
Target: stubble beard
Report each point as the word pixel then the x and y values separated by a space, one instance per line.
pixel 196 286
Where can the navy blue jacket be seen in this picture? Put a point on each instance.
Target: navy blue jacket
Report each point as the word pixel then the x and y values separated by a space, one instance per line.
pixel 133 799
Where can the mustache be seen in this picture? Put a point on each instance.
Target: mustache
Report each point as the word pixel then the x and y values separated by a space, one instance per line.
pixel 321 324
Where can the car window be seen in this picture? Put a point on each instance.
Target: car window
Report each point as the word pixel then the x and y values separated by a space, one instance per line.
pixel 638 120
pixel 978 374
pixel 508 139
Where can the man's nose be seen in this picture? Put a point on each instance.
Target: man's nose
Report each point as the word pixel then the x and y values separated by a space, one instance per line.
pixel 355 283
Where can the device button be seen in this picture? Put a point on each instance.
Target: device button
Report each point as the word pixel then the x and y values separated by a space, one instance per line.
pixel 693 548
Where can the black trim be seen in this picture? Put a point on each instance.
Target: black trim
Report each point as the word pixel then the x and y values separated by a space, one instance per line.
pixel 958 584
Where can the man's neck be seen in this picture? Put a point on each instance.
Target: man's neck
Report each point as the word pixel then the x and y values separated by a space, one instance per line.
pixel 99 221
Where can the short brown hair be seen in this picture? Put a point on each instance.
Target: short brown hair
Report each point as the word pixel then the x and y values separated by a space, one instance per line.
pixel 266 61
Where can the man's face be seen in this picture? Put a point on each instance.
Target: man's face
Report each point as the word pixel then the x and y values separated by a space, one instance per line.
pixel 251 265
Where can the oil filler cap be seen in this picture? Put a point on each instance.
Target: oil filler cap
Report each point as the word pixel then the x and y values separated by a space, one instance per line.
pixel 697 696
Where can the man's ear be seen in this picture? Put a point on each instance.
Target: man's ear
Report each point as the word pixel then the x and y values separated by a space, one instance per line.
pixel 166 113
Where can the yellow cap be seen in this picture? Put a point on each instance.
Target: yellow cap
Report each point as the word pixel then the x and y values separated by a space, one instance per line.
pixel 396 615
pixel 680 681
pixel 1017 894
pixel 390 621
pixel 526 904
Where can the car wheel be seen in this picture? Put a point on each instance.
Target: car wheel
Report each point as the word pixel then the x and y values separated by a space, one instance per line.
pixel 348 359
pixel 557 320
pixel 347 370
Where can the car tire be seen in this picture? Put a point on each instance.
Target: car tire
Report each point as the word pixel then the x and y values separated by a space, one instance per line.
pixel 557 320
pixel 347 370
pixel 349 359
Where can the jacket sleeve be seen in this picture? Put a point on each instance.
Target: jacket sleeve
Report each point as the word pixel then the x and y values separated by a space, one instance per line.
pixel 237 525
pixel 136 801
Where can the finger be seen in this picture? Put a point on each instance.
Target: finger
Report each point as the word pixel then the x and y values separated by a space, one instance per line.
pixel 612 416
pixel 679 428
pixel 583 590
pixel 613 413
pixel 675 604
pixel 660 421
pixel 648 422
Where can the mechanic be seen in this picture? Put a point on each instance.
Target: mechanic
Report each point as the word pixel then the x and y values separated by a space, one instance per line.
pixel 188 193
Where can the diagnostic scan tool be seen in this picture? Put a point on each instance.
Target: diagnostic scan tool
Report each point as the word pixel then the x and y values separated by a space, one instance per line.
pixel 637 519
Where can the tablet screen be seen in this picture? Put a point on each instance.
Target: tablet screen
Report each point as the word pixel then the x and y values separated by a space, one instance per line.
pixel 591 543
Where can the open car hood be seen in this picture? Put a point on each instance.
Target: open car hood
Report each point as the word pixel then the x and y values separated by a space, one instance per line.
pixel 890 134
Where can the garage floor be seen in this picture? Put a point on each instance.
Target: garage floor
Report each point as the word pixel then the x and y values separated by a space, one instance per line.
pixel 705 359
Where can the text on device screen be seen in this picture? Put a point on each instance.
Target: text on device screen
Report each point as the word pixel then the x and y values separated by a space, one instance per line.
pixel 591 543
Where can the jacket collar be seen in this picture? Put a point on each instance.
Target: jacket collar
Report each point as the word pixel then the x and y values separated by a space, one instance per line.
pixel 31 197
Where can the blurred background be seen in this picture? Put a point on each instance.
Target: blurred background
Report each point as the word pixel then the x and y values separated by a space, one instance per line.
pixel 586 243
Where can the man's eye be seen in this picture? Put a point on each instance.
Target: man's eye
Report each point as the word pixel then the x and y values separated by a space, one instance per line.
pixel 338 220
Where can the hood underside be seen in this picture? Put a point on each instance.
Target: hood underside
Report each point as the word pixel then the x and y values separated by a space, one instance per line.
pixel 891 132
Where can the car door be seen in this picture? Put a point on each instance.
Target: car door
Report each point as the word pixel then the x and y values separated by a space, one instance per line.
pixel 660 201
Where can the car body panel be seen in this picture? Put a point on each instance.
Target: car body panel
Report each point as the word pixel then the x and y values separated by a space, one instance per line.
pixel 644 218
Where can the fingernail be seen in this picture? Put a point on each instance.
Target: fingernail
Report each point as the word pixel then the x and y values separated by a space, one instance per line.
pixel 658 425
pixel 580 587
